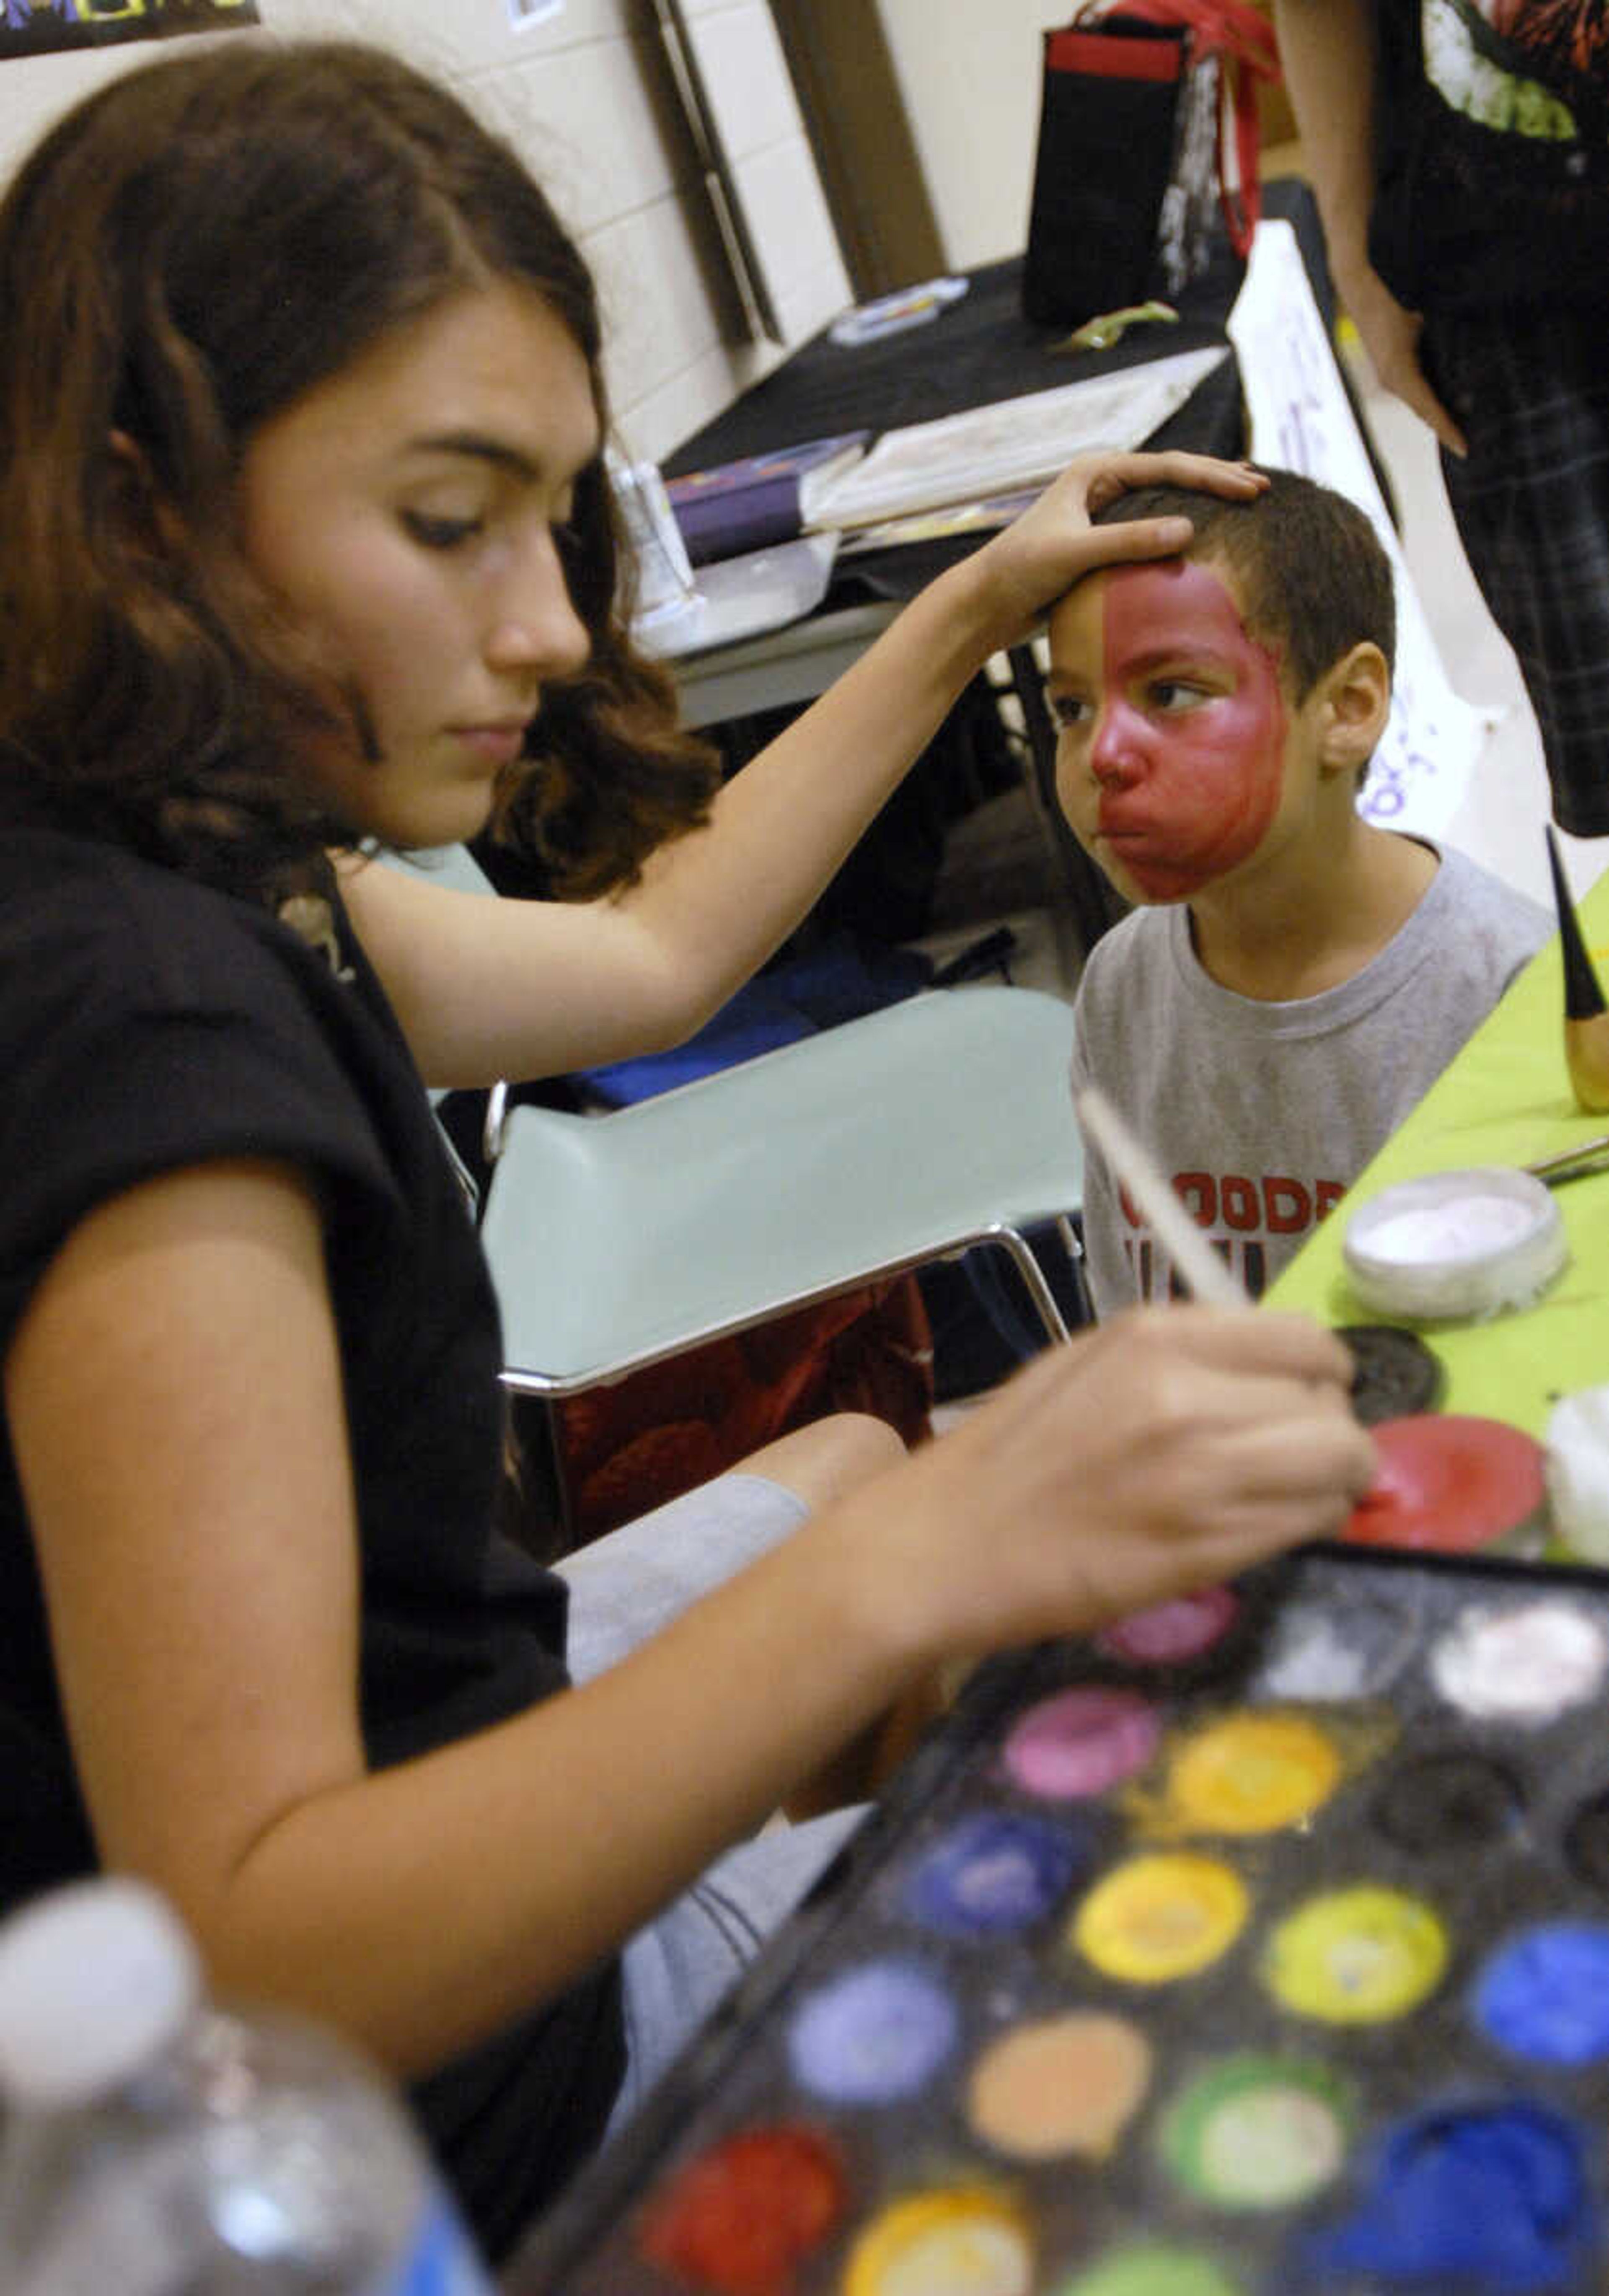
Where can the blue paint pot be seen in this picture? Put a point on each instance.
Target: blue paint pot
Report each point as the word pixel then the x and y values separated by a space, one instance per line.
pixel 1545 1995
pixel 993 1874
pixel 1491 2199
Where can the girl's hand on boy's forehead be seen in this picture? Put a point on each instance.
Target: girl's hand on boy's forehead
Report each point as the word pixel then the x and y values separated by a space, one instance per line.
pixel 1120 474
pixel 1052 544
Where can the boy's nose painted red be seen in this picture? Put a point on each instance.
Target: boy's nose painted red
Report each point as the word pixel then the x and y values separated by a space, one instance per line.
pixel 1117 756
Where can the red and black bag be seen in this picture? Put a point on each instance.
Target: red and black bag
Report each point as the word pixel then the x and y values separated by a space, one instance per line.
pixel 1148 135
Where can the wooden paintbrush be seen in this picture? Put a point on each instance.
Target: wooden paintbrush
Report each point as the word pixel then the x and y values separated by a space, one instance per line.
pixel 1200 1268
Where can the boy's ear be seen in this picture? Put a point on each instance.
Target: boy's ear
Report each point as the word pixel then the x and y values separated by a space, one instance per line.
pixel 1354 699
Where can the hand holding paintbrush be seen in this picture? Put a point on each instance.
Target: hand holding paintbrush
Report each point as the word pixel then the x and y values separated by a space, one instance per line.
pixel 1197 1266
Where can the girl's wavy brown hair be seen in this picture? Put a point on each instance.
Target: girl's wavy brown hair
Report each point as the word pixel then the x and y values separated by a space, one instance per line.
pixel 181 256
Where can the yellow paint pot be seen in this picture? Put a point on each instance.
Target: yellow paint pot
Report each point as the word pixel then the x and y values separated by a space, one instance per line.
pixel 1357 1956
pixel 1252 1773
pixel 964 2242
pixel 1162 1915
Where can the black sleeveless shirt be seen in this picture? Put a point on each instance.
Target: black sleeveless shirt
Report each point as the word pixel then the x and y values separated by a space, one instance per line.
pixel 1491 153
pixel 148 1022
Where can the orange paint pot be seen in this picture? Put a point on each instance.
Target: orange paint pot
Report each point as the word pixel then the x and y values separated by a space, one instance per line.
pixel 1060 2086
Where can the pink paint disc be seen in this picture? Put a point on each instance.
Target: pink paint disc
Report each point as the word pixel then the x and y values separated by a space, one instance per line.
pixel 1169 1633
pixel 1081 1742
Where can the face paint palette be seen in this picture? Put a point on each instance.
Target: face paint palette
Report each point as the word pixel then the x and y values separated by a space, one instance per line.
pixel 1394 1372
pixel 1257 1946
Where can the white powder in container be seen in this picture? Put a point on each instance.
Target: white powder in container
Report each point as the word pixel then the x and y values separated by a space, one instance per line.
pixel 1450 1244
pixel 1451 1230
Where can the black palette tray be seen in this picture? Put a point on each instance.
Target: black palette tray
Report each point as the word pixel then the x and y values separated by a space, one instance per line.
pixel 1374 2057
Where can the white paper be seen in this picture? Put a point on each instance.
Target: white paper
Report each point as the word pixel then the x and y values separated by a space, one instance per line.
pixel 1303 420
pixel 1012 442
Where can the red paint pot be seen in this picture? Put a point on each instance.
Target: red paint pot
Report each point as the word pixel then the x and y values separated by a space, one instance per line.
pixel 1448 1481
pixel 739 2218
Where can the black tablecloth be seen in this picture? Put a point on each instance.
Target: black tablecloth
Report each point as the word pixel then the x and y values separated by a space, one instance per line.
pixel 980 349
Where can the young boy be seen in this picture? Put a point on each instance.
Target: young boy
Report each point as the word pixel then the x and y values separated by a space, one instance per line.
pixel 1291 978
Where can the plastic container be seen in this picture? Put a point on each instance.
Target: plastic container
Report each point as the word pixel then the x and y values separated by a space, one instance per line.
pixel 664 576
pixel 1456 1244
pixel 890 315
pixel 155 2146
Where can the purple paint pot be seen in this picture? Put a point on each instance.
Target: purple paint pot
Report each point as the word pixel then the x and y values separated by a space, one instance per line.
pixel 995 1873
pixel 1081 1742
pixel 872 2035
pixel 1170 1633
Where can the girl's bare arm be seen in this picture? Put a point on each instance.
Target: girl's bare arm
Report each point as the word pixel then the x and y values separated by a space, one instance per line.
pixel 527 989
pixel 201 1570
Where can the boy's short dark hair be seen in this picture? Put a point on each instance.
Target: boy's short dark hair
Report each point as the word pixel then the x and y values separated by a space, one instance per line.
pixel 1310 569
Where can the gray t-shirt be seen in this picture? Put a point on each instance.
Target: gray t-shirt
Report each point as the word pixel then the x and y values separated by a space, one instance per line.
pixel 1264 1114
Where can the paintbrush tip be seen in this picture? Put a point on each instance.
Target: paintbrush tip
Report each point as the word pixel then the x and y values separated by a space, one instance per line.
pixel 1583 994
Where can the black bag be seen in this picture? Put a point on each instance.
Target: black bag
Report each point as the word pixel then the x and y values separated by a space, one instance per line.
pixel 1147 135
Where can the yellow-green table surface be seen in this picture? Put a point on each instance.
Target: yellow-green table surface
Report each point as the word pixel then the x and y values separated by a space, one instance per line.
pixel 1504 1099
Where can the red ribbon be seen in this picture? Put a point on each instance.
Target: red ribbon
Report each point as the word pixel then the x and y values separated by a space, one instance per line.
pixel 1244 40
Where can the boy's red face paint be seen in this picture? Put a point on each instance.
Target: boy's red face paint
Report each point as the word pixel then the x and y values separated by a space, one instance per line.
pixel 1171 758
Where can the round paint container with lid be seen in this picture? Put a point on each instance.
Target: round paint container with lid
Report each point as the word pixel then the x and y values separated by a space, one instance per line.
pixel 1465 1244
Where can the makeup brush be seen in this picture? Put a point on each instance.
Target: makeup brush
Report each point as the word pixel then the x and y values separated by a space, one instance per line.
pixel 1198 1266
pixel 1586 1011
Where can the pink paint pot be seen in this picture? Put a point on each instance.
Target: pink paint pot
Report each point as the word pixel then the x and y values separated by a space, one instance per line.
pixel 1081 1742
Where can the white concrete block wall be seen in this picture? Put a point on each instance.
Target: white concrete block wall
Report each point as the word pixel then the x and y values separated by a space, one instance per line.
pixel 747 86
pixel 745 75
pixel 583 94
pixel 971 77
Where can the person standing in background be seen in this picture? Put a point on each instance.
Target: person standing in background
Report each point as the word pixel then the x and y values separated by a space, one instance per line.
pixel 1459 153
